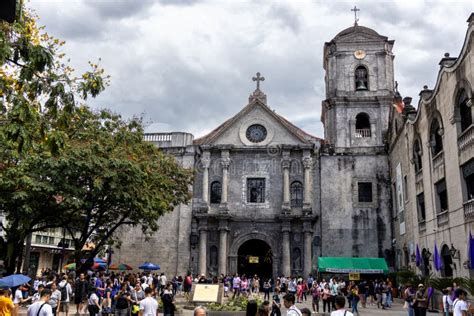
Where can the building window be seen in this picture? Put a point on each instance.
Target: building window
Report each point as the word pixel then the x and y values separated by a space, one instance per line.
pixel 362 125
pixel 37 239
pixel 468 176
pixel 436 140
pixel 296 192
pixel 420 205
pixel 216 191
pixel 365 191
pixel 361 78
pixel 405 189
pixel 464 110
pixel 417 155
pixel 51 240
pixel 441 196
pixel 256 190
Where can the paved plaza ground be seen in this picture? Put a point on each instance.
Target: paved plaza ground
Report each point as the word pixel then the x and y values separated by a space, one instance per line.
pixel 396 310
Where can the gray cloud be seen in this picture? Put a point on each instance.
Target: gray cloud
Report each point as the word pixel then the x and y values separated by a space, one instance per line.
pixel 187 65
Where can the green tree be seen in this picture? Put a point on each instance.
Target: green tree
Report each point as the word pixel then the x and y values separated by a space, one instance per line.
pixel 63 165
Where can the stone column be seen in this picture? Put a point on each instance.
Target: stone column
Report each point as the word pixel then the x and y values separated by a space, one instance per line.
pixel 285 245
pixel 205 160
pixel 222 260
pixel 307 246
pixel 225 162
pixel 308 182
pixel 285 165
pixel 203 248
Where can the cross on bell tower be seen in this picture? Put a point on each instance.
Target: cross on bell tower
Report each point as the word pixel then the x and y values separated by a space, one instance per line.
pixel 356 19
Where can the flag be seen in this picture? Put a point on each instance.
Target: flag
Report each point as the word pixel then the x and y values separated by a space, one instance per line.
pixel 471 251
pixel 437 259
pixel 418 256
pixel 398 103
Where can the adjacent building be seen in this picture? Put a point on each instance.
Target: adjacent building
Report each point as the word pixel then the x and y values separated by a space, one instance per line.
pixel 432 169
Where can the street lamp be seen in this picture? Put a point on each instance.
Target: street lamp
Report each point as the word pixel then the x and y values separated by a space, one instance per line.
pixel 454 252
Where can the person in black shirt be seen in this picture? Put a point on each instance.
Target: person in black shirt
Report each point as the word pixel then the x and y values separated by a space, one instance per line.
pixel 81 289
pixel 122 301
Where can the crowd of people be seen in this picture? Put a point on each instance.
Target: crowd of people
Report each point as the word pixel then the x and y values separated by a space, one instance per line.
pixel 133 294
pixel 453 301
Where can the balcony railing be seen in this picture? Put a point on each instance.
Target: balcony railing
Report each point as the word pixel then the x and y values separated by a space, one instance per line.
pixel 443 218
pixel 157 137
pixel 466 138
pixel 469 209
pixel 438 160
pixel 422 225
pixel 419 177
pixel 363 133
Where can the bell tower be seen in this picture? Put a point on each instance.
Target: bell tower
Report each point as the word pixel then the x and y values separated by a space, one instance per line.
pixel 359 88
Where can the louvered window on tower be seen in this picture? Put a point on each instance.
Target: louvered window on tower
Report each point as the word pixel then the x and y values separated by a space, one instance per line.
pixel 361 78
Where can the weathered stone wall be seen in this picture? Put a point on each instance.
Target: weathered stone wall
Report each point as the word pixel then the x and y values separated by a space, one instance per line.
pixel 170 246
pixel 350 228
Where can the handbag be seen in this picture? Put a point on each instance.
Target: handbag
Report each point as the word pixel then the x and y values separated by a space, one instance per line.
pixel 406 305
pixel 135 309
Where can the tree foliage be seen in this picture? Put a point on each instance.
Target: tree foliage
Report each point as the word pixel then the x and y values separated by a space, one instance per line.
pixel 64 165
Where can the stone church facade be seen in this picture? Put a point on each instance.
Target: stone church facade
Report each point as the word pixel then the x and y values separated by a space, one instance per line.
pixel 269 198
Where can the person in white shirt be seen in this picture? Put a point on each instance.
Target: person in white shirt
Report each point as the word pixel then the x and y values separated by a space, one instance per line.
pixel 55 299
pixel 93 302
pixel 148 306
pixel 36 297
pixel 66 289
pixel 447 301
pixel 460 306
pixel 41 308
pixel 289 302
pixel 340 301
pixel 18 298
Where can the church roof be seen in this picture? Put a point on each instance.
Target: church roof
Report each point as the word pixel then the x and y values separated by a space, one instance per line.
pixel 299 133
pixel 357 29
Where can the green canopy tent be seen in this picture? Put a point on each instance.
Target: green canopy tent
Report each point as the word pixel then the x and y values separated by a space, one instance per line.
pixel 352 265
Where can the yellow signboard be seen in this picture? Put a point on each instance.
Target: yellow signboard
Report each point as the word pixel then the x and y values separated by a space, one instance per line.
pixel 206 293
pixel 253 259
pixel 354 276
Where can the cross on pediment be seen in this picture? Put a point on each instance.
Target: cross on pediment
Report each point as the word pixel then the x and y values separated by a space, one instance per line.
pixel 258 78
pixel 355 9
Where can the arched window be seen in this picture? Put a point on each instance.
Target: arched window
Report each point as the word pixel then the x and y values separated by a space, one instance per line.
pixel 361 78
pixel 436 140
pixel 213 256
pixel 363 125
pixel 464 110
pixel 216 190
pixel 417 155
pixel 296 259
pixel 296 192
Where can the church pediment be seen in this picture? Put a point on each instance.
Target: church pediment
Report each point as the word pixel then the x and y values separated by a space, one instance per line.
pixel 257 126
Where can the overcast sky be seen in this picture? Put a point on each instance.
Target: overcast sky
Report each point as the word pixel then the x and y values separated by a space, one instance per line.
pixel 186 65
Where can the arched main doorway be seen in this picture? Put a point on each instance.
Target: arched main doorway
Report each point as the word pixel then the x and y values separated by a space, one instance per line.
pixel 255 257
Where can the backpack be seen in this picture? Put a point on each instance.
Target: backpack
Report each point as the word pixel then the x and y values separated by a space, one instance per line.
pixel 63 290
